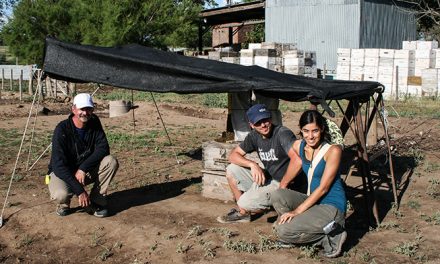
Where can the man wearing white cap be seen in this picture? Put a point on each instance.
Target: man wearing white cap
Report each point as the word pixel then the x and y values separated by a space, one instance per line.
pixel 81 156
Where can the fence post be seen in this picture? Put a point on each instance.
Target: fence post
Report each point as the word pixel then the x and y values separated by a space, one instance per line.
pixel 3 79
pixel 10 80
pixel 20 88
pixel 31 75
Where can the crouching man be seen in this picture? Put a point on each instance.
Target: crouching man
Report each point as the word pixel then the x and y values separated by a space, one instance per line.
pixel 81 156
pixel 250 184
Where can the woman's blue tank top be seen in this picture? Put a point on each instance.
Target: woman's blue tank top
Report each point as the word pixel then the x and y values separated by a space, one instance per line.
pixel 336 194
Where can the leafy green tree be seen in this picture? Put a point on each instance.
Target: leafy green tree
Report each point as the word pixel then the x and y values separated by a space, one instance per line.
pixel 155 23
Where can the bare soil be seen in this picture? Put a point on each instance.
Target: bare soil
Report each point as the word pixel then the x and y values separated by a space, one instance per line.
pixel 159 215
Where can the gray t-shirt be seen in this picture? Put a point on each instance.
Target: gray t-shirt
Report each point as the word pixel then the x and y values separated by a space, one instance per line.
pixel 272 151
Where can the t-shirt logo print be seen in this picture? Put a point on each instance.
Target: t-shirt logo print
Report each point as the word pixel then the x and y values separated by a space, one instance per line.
pixel 267 156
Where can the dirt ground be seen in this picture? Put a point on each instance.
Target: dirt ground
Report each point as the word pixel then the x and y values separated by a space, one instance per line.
pixel 160 216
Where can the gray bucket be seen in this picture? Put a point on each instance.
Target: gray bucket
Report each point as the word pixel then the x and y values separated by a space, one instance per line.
pixel 118 108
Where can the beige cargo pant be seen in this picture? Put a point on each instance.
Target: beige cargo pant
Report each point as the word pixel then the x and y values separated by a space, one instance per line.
pixel 101 177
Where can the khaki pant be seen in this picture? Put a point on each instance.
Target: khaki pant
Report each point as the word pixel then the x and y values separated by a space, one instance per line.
pixel 254 197
pixel 307 227
pixel 101 177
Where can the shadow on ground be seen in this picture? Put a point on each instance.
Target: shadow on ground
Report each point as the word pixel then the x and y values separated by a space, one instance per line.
pixel 123 200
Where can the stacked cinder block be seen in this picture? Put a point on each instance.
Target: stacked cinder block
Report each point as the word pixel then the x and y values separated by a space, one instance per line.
pixel 357 60
pixel 227 56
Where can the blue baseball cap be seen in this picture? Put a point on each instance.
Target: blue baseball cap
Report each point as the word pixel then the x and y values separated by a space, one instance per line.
pixel 257 112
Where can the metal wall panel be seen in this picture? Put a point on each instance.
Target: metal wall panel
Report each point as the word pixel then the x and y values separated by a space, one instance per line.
pixel 326 25
pixel 386 25
pixel 318 25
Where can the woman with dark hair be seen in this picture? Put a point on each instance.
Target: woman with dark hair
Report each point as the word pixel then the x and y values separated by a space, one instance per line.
pixel 317 217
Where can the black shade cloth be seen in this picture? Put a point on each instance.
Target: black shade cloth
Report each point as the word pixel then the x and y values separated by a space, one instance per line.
pixel 147 69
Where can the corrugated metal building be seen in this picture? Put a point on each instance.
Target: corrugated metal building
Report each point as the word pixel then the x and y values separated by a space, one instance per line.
pixel 326 25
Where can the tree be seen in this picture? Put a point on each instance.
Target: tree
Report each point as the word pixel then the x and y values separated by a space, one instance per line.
pixel 428 16
pixel 5 5
pixel 154 23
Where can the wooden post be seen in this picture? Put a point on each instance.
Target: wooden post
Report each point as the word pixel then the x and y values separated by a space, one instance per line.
pixel 48 87
pixel 397 83
pixel 372 132
pixel 10 80
pixel 31 75
pixel 3 79
pixel 20 80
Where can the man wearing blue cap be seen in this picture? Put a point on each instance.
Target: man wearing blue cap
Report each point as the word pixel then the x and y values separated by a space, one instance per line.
pixel 250 184
pixel 81 156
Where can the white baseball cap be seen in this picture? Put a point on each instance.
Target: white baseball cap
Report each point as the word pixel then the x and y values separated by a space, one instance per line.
pixel 83 100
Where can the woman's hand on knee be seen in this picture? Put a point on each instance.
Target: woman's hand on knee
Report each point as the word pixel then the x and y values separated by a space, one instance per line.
pixel 287 217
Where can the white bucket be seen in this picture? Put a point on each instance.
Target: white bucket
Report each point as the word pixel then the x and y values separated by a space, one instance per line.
pixel 118 108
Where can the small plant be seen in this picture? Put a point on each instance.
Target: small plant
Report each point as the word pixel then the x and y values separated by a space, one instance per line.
pixel 396 211
pixel 431 167
pixel 309 251
pixel 435 218
pixel 365 257
pixel 223 231
pixel 240 246
pixel 182 249
pixel 97 237
pixel 413 204
pixel 409 248
pixel 25 241
pixel 195 231
pixel 388 225
pixel 105 254
pixel 154 246
pixel 433 188
pixel 209 252
pixel 417 154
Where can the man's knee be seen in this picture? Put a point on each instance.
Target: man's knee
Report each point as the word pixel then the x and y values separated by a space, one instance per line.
pixel 60 195
pixel 111 162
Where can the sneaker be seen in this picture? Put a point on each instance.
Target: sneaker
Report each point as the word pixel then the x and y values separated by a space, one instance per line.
pixel 336 242
pixel 282 244
pixel 99 211
pixel 62 211
pixel 234 216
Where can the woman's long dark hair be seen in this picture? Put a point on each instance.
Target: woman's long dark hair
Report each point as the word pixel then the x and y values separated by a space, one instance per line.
pixel 313 116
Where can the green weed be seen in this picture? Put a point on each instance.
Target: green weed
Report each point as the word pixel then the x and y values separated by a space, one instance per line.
pixel 223 232
pixel 25 241
pixel 365 257
pixel 309 251
pixel 182 249
pixel 97 237
pixel 409 248
pixel 435 218
pixel 413 204
pixel 240 246
pixel 433 188
pixel 195 231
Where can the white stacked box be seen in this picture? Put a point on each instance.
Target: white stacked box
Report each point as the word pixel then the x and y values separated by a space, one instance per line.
pixel 430 82
pixel 409 45
pixel 437 58
pixel 253 46
pixel 356 73
pixel 247 57
pixel 234 60
pixel 414 90
pixel 386 70
pixel 343 65
pixel 371 53
pixel 427 45
pixel 424 59
pixel 311 71
pixel 293 61
pixel 404 64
